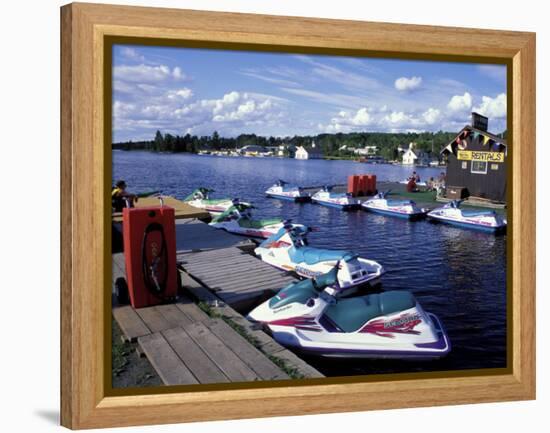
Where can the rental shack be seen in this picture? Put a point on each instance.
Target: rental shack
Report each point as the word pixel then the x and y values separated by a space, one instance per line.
pixel 476 163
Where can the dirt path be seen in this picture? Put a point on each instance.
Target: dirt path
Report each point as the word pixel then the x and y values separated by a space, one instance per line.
pixel 130 370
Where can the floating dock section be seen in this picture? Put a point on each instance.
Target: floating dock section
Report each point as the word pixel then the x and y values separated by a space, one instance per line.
pixel 235 276
pixel 182 209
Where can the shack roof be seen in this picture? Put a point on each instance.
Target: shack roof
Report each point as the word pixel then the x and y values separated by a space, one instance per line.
pixel 451 147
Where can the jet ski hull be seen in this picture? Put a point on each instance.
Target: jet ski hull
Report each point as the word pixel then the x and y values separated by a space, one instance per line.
pixel 344 207
pixel 485 221
pixel 295 199
pixel 468 225
pixel 390 325
pixel 395 213
pixel 255 233
pixel 211 207
pixel 308 271
pixel 405 209
pixel 416 352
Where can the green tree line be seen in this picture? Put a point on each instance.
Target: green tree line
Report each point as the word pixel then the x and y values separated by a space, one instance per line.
pixel 335 145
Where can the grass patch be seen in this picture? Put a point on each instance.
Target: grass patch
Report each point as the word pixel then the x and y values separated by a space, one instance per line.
pixel 127 369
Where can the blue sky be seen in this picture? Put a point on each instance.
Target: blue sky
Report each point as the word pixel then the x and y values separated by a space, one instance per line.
pixel 198 91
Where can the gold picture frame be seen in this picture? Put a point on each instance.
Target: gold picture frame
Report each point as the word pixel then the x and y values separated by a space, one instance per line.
pixel 87 33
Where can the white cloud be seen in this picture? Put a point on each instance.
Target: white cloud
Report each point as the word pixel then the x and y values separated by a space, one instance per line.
pixel 492 107
pixel 146 73
pixel 121 109
pixel 174 111
pixel 346 121
pixel 177 73
pixel 362 117
pixel 132 54
pixel 179 94
pixel 405 84
pixel 398 119
pixel 460 102
pixel 431 115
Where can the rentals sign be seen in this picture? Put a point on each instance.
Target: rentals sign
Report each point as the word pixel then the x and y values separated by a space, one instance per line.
pixel 473 155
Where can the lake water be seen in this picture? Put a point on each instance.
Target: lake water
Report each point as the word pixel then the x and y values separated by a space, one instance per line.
pixel 457 274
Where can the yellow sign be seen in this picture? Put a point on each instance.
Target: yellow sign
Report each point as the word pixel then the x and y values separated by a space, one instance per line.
pixel 474 155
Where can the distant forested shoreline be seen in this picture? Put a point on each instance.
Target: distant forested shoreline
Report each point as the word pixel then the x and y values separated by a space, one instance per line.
pixel 335 145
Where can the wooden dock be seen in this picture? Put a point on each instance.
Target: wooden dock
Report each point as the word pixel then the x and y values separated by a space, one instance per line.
pixel 195 235
pixel 183 343
pixel 182 209
pixel 235 276
pixel 186 346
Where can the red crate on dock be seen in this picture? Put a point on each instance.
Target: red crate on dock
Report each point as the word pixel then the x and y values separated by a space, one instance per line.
pixel 371 184
pixel 150 254
pixel 363 179
pixel 353 185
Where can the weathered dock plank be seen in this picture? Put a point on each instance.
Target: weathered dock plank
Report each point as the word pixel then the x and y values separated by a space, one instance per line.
pixel 154 319
pixel 237 278
pixel 190 309
pixel 203 368
pixel 182 209
pixel 130 323
pixel 223 273
pixel 228 362
pixel 251 356
pixel 262 341
pixel 165 360
pixel 174 316
pixel 118 267
pixel 194 235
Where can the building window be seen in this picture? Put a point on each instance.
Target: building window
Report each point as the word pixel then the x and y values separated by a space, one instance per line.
pixel 479 167
pixel 494 166
pixel 464 165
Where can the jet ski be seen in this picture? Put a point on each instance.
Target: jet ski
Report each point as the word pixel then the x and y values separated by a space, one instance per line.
pixel 397 208
pixel 283 190
pixel 288 250
pixel 342 201
pixel 484 220
pixel 200 198
pixel 391 324
pixel 238 219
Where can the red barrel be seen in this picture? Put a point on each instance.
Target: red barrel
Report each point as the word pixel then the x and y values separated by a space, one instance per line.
pixel 150 254
pixel 353 185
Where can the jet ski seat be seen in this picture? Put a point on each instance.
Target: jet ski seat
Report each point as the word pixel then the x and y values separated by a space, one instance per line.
pixel 258 224
pixel 312 256
pixel 398 202
pixel 303 290
pixel 474 213
pixel 350 314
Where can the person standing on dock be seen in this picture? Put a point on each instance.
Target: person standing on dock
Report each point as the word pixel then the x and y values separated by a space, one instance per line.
pixel 120 196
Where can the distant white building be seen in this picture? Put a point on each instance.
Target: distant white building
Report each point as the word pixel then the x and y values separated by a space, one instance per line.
pixel 366 151
pixel 413 156
pixel 308 152
pixel 409 157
